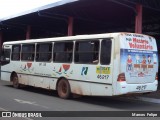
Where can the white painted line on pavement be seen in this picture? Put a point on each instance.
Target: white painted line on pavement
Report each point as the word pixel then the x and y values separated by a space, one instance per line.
pixel 24 102
pixel 29 102
pixel 3 109
pixel 152 100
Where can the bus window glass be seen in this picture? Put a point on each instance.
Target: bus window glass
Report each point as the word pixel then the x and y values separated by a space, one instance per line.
pixel 44 52
pixel 106 46
pixel 87 52
pixel 62 52
pixel 28 52
pixel 7 53
pixel 16 52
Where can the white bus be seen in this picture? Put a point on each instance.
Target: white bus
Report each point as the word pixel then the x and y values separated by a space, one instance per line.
pixel 93 65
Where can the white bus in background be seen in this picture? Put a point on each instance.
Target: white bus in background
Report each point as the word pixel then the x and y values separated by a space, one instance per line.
pixel 93 65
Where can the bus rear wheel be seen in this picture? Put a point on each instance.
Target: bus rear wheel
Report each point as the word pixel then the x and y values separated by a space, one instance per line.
pixel 15 81
pixel 63 89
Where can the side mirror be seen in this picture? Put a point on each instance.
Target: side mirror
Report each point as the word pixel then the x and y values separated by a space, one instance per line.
pixel 5 56
pixel 4 61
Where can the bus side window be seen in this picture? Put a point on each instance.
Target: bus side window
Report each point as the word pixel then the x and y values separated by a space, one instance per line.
pixel 28 52
pixel 87 52
pixel 7 53
pixel 63 52
pixel 16 52
pixel 106 46
pixel 44 51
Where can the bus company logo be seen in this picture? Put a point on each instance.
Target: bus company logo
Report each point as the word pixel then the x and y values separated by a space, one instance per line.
pixel 102 70
pixel 84 71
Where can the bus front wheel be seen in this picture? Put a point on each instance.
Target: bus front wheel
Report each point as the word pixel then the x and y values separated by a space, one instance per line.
pixel 15 81
pixel 63 89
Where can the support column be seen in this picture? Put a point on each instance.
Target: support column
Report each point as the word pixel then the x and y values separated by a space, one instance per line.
pixel 138 20
pixel 70 26
pixel 1 37
pixel 28 32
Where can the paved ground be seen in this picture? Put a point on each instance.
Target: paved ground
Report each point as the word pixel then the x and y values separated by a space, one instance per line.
pixel 35 99
pixel 155 94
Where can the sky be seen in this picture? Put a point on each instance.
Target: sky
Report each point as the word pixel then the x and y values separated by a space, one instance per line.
pixel 13 7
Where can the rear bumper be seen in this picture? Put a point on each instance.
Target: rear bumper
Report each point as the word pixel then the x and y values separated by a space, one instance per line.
pixel 124 88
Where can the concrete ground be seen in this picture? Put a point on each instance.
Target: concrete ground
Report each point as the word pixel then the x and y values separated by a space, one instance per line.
pixel 155 95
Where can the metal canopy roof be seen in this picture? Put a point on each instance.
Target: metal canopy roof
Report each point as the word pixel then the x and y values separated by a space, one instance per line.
pixel 90 16
pixel 50 5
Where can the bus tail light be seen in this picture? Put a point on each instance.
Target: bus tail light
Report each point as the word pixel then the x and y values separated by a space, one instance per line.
pixel 156 76
pixel 121 77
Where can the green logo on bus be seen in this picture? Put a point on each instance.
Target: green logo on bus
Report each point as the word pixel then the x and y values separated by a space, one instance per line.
pixel 84 71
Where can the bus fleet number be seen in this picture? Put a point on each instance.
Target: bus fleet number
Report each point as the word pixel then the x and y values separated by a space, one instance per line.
pixel 102 76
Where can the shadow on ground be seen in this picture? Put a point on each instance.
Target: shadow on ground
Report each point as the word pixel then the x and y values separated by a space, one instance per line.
pixel 119 102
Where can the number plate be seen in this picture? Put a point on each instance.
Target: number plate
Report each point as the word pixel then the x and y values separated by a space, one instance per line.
pixel 141 88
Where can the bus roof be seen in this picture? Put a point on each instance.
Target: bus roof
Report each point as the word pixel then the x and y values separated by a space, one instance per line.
pixel 68 38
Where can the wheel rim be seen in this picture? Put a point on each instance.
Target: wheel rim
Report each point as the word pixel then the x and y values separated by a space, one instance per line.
pixel 63 89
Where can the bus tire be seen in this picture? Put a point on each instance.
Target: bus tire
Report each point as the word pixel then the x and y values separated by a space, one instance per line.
pixel 15 81
pixel 63 89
